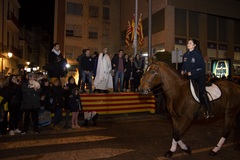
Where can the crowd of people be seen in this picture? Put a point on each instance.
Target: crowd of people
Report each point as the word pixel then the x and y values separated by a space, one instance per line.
pixel 117 73
pixel 23 96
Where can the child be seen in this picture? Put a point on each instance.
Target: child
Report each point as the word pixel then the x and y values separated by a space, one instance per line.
pixel 74 102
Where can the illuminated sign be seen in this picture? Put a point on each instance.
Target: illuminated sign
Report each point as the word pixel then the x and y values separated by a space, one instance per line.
pixel 221 68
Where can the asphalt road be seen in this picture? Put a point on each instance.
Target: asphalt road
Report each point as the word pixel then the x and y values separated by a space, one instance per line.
pixel 125 137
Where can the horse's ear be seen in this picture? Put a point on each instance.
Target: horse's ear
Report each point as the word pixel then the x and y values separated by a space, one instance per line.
pixel 152 59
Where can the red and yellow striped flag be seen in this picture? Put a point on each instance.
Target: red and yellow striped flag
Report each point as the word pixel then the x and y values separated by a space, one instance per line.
pixel 128 32
pixel 140 31
pixel 133 25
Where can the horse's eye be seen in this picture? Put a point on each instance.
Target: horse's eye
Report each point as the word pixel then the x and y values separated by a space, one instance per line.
pixel 152 72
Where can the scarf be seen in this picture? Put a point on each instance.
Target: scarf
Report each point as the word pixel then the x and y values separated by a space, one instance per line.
pixel 56 52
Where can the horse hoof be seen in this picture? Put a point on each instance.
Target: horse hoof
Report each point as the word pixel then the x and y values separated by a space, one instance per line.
pixel 168 154
pixel 211 153
pixel 188 150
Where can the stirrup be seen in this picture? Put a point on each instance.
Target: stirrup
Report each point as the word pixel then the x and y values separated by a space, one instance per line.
pixel 207 115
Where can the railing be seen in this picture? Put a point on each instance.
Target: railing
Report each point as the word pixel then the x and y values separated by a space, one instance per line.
pixel 13 18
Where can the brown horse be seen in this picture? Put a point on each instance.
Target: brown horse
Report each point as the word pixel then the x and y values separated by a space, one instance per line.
pixel 183 108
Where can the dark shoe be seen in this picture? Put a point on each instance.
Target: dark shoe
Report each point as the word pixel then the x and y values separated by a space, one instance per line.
pixel 24 132
pixel 37 132
pixel 85 123
pixel 208 115
pixel 95 119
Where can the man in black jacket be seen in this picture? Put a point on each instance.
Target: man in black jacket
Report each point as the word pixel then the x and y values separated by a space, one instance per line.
pixel 119 65
pixel 79 67
pixel 57 63
pixel 87 65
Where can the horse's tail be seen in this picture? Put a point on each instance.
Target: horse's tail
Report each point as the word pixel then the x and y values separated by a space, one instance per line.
pixel 236 135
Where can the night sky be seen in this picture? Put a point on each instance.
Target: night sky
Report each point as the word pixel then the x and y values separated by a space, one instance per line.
pixel 38 13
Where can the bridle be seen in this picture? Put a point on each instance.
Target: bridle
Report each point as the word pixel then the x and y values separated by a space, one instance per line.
pixel 155 73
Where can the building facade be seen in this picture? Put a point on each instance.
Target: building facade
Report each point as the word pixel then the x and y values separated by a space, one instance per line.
pixel 81 24
pixel 9 33
pixel 20 48
pixel 215 23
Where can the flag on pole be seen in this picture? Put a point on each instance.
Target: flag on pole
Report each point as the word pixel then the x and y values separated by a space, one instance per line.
pixel 133 25
pixel 140 31
pixel 128 32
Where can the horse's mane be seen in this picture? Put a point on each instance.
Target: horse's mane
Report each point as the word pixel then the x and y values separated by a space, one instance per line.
pixel 173 70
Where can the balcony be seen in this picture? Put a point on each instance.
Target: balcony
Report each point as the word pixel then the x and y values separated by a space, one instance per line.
pixel 13 21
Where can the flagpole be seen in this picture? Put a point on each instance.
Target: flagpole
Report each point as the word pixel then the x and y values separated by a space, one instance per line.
pixel 135 28
pixel 149 28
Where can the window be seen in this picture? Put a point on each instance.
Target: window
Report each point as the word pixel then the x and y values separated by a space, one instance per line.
pixel 105 31
pixel 74 30
pixel 106 2
pixel 72 52
pixel 93 11
pixel 222 29
pixel 105 13
pixel 180 22
pixel 212 28
pixel 237 32
pixel 193 24
pixel 93 33
pixel 74 8
pixel 158 21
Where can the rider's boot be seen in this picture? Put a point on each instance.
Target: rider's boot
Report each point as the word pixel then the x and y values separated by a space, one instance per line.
pixel 208 108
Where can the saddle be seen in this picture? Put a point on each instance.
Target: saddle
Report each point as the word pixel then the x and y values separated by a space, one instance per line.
pixel 213 91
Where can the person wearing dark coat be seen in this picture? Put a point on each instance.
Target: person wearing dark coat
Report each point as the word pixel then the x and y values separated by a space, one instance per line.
pixel 127 73
pixel 30 102
pixel 119 66
pixel 14 102
pixel 138 66
pixel 87 66
pixel 194 67
pixel 80 67
pixel 67 92
pixel 57 63
pixel 3 105
pixel 45 95
pixel 58 102
pixel 75 104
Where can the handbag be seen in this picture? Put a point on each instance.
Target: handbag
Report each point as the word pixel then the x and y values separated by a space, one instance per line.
pixel 113 72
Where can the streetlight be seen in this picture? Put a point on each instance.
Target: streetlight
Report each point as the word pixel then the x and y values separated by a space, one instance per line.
pixel 9 54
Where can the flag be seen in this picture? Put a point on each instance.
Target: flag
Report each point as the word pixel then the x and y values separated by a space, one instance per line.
pixel 133 24
pixel 128 32
pixel 140 31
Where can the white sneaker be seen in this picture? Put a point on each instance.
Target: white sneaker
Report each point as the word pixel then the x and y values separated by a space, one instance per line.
pixel 17 131
pixel 11 133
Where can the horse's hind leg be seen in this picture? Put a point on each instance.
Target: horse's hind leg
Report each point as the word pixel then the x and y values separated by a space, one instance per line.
pixel 226 132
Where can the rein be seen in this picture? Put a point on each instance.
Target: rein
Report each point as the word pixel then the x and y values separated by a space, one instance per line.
pixel 155 89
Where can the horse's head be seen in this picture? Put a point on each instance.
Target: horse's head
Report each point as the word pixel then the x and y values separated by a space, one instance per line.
pixel 150 79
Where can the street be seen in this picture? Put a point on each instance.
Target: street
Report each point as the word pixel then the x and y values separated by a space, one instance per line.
pixel 131 137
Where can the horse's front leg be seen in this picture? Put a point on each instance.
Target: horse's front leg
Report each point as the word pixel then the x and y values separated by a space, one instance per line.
pixel 179 127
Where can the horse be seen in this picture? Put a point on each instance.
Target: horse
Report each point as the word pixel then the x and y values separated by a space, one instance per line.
pixel 184 109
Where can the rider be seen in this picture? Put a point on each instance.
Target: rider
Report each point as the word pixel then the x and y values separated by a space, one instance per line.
pixel 194 67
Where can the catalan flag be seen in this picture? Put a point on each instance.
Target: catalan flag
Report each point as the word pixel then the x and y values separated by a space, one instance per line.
pixel 140 31
pixel 133 25
pixel 128 33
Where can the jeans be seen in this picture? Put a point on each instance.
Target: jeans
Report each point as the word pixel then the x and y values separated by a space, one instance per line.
pixel 57 116
pixel 34 114
pixel 117 76
pixel 89 76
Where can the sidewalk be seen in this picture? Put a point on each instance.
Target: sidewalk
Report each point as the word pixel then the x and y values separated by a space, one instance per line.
pixel 129 116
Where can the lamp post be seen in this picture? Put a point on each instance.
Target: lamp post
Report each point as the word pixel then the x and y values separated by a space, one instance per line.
pixel 9 55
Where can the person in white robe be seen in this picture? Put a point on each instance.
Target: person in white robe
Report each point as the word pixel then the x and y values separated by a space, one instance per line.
pixel 103 80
